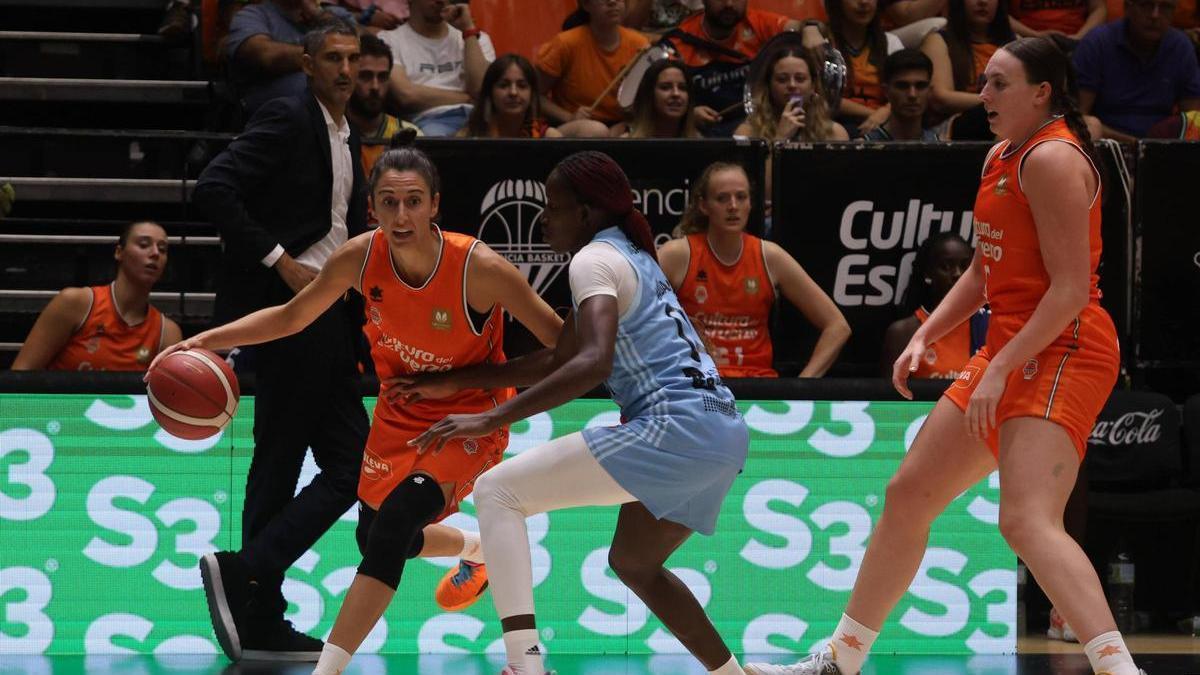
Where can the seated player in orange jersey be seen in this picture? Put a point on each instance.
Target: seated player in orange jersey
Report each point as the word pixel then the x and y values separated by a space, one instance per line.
pixel 726 281
pixel 111 326
pixel 940 261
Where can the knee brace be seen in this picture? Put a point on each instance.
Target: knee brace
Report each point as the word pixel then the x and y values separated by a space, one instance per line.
pixel 366 516
pixel 390 538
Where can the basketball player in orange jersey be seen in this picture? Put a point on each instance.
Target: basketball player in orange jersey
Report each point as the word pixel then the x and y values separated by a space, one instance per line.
pixel 941 259
pixel 108 327
pixel 726 281
pixel 1027 401
pixel 434 301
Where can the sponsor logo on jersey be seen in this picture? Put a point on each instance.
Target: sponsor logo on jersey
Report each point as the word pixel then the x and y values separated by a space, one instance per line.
pixel 751 285
pixel 143 354
pixel 1001 185
pixel 376 294
pixel 441 319
pixel 701 294
pixel 512 211
pixel 375 467
pixel 376 317
pixel 1030 370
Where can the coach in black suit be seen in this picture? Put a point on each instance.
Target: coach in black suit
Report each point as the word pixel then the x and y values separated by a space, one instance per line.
pixel 284 195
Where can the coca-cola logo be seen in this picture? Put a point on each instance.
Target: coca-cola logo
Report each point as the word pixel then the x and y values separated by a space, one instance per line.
pixel 1132 428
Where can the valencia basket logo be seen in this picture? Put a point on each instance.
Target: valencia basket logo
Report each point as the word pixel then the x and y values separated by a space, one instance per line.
pixel 511 212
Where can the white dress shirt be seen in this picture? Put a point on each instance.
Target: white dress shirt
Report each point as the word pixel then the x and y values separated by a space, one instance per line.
pixel 315 256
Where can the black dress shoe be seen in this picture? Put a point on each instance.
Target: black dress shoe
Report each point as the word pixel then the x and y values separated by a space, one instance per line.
pixel 229 590
pixel 280 641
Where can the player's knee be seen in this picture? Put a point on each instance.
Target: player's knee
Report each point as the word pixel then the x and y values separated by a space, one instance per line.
pixel 396 529
pixel 632 570
pixel 1019 529
pixel 491 489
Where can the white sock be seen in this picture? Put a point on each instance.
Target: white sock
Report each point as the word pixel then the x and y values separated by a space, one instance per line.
pixel 850 645
pixel 333 660
pixel 472 550
pixel 1108 654
pixel 731 667
pixel 524 655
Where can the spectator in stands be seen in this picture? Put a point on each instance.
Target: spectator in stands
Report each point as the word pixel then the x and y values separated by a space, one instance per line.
pixel 1071 19
pixel 284 195
pixel 855 29
pixel 440 60
pixel 263 48
pixel 377 15
pixel 578 65
pixel 508 106
pixel 107 327
pixel 1134 72
pixel 906 77
pixel 790 104
pixel 365 110
pixel 718 45
pixel 659 16
pixel 662 106
pixel 727 281
pixel 940 261
pixel 960 51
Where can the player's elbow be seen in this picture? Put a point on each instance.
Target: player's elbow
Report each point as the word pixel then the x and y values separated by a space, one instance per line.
pixel 1074 295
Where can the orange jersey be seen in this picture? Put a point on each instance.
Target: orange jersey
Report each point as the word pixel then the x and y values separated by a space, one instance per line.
pixel 105 342
pixel 427 329
pixel 1068 381
pixel 947 357
pixel 1067 16
pixel 584 70
pixel 748 36
pixel 732 305
pixel 981 52
pixel 864 86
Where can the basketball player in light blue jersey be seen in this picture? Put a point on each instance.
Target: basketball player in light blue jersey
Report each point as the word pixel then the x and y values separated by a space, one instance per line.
pixel 669 465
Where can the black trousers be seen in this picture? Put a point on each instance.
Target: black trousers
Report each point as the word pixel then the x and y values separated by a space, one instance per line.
pixel 307 396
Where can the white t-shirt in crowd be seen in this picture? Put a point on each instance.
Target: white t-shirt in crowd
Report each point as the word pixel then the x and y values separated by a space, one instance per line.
pixel 434 63
pixel 600 269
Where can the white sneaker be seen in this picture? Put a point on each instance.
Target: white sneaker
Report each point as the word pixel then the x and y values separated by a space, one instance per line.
pixel 1059 630
pixel 820 663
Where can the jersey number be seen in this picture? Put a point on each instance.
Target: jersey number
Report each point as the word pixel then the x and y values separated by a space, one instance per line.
pixel 699 381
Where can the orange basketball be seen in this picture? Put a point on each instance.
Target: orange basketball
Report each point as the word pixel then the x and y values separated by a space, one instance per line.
pixel 193 394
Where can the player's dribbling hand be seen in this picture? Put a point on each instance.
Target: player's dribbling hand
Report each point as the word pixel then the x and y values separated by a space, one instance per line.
pixel 906 364
pixel 190 343
pixel 980 415
pixel 454 426
pixel 411 388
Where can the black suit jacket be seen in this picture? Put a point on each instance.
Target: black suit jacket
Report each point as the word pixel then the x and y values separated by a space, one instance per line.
pixel 273 185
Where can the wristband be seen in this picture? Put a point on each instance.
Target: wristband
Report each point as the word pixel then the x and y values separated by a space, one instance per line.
pixel 471 33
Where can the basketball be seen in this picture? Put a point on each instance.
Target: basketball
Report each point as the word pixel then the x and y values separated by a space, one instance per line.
pixel 193 394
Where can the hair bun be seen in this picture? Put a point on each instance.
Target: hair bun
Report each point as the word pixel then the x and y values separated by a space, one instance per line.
pixel 403 138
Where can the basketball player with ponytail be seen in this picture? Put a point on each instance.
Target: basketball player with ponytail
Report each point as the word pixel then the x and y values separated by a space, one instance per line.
pixel 434 300
pixel 669 465
pixel 1026 402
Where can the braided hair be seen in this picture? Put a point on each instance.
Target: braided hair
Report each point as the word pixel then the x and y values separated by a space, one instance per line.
pixel 597 181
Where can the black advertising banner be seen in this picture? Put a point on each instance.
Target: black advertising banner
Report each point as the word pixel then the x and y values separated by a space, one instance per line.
pixel 495 190
pixel 1167 278
pixel 853 216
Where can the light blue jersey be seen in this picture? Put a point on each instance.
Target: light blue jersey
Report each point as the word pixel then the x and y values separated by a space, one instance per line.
pixel 683 440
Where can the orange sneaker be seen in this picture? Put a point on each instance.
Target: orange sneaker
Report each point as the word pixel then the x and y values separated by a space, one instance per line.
pixel 462 586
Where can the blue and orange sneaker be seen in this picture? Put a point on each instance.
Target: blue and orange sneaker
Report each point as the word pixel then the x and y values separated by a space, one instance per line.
pixel 462 586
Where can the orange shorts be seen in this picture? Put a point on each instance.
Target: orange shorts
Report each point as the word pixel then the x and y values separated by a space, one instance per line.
pixel 1067 383
pixel 388 459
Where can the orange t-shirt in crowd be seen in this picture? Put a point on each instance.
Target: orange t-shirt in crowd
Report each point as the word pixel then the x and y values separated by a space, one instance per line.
pixel 1068 381
pixel 1067 16
pixel 947 357
pixel 105 342
pixel 732 305
pixel 864 87
pixel 1185 16
pixel 747 38
pixel 427 328
pixel 584 69
pixel 982 53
